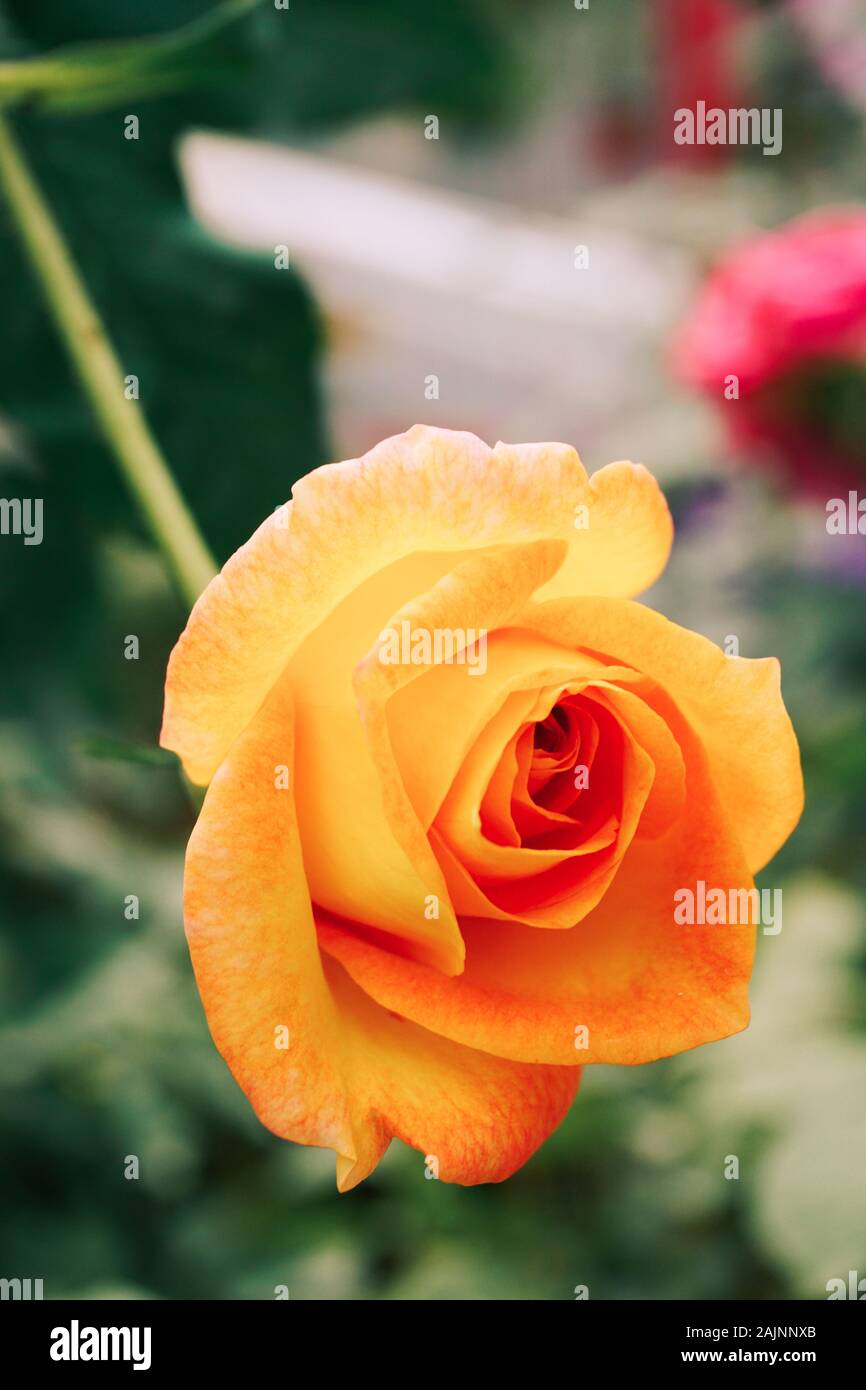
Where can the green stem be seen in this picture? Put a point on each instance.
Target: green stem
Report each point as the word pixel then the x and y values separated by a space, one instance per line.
pixel 122 421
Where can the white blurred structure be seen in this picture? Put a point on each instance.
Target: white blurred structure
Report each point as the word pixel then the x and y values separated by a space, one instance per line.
pixel 529 328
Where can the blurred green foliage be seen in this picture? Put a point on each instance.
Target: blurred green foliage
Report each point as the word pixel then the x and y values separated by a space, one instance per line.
pixel 104 1051
pixel 88 76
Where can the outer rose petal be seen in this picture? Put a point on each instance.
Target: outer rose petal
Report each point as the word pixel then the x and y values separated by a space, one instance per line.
pixel 352 1075
pixel 481 1116
pixel 425 491
pixel 626 545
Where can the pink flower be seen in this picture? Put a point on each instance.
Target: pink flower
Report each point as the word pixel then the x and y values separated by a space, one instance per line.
pixel 778 337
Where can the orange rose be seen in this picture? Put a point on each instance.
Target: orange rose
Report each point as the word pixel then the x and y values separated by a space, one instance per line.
pixel 456 778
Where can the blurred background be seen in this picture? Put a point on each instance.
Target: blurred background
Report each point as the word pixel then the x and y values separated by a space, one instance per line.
pixel 487 225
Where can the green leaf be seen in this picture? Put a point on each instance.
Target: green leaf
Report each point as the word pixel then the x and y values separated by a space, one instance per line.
pixel 93 75
pixel 321 62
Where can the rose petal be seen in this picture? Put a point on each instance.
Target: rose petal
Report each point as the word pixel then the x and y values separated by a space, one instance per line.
pixel 366 853
pixel 427 492
pixel 642 985
pixel 351 1076
pixel 733 704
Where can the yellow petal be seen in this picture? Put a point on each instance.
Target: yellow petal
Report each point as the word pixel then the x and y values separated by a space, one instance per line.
pixel 641 985
pixel 351 1076
pixel 733 704
pixel 421 498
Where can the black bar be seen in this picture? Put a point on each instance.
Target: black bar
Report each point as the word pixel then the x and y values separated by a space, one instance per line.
pixel 236 1336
